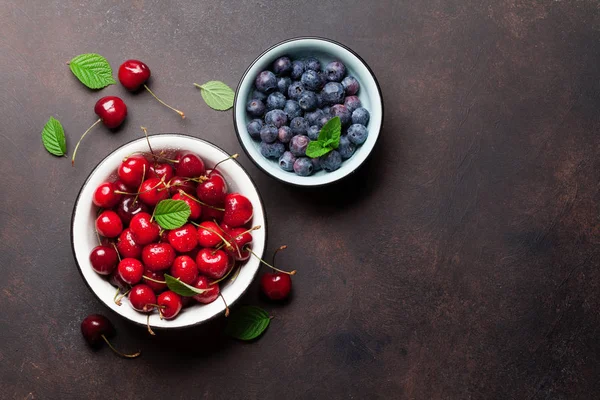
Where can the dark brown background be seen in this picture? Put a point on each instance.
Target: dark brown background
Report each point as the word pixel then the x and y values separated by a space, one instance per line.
pixel 461 262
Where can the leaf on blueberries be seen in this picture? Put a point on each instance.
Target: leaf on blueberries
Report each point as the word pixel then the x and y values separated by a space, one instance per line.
pixel 331 130
pixel 172 214
pixel 316 149
pixel 92 70
pixel 53 137
pixel 217 95
pixel 247 323
pixel 182 288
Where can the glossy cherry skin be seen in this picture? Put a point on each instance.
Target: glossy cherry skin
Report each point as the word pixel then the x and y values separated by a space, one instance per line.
pixel 152 191
pixel 131 170
pixel 213 190
pixel 212 265
pixel 111 110
pixel 142 298
pixel 94 326
pixel 212 214
pixel 121 186
pixel 133 74
pixel 186 269
pixel 189 165
pixel 276 285
pixel 183 239
pixel 241 240
pixel 208 296
pixel 116 281
pixel 104 259
pixel 209 237
pixel 157 276
pixel 171 304
pixel 109 224
pixel 238 210
pixel 128 246
pixel 105 195
pixel 158 170
pixel 158 256
pixel 130 207
pixel 143 229
pixel 195 207
pixel 178 183
pixel 131 270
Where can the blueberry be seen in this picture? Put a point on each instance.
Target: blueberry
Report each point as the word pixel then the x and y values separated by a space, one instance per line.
pixel 313 117
pixel 254 128
pixel 335 71
pixel 295 90
pixel 268 134
pixel 331 161
pixel 303 166
pixel 297 69
pixel 277 118
pixel 283 84
pixel 272 150
pixel 255 108
pixel 298 126
pixel 316 164
pixel 351 103
pixel 256 94
pixel 286 161
pixel 323 120
pixel 284 134
pixel 276 100
pixel 292 109
pixel 327 110
pixel 266 82
pixel 333 93
pixel 340 110
pixel 319 100
pixel 282 66
pixel 351 85
pixel 361 116
pixel 357 134
pixel 312 63
pixel 346 147
pixel 311 80
pixel 313 132
pixel 298 145
pixel 308 101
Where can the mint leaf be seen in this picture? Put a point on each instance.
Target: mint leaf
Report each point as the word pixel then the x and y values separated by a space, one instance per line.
pixel 331 130
pixel 92 70
pixel 217 95
pixel 247 323
pixel 172 214
pixel 317 149
pixel 182 288
pixel 53 137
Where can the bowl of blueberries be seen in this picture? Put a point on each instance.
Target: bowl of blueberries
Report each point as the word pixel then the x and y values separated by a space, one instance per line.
pixel 308 111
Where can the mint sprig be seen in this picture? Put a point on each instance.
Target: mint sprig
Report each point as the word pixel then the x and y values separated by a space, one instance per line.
pixel 92 70
pixel 329 139
pixel 53 137
pixel 172 214
pixel 247 323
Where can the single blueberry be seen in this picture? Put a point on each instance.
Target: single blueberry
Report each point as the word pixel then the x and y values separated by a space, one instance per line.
pixel 282 66
pixel 311 80
pixel 316 164
pixel 313 117
pixel 335 71
pixel 292 109
pixel 284 134
pixel 331 161
pixel 295 90
pixel 351 103
pixel 346 147
pixel 333 93
pixel 275 101
pixel 266 82
pixel 283 84
pixel 254 128
pixel 350 85
pixel 257 94
pixel 272 150
pixel 323 120
pixel 312 63
pixel 298 145
pixel 277 118
pixel 313 132
pixel 340 110
pixel 357 134
pixel 255 108
pixel 268 134
pixel 297 69
pixel 308 101
pixel 303 166
pixel 286 161
pixel 298 126
pixel 361 116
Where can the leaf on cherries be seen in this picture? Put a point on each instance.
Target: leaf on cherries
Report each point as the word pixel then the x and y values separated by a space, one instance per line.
pixel 53 137
pixel 247 323
pixel 171 214
pixel 217 95
pixel 182 288
pixel 92 70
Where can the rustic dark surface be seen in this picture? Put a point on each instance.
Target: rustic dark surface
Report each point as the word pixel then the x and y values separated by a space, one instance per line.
pixel 461 262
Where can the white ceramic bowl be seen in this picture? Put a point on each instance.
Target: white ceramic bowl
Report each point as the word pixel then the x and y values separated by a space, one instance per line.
pixel 325 50
pixel 83 237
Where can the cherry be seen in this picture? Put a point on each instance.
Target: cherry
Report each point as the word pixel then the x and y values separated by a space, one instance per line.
pixel 160 170
pixel 210 295
pixel 116 281
pixel 183 239
pixel 96 329
pixel 189 165
pixel 238 210
pixel 105 195
pixel 178 183
pixel 186 269
pixel 241 238
pixel 133 74
pixel 152 191
pixel 133 169
pixel 109 224
pixel 212 214
pixel 213 190
pixel 145 231
pixel 112 112
pixel 276 285
pixel 195 207
pixel 142 298
pixel 130 207
pixel 159 276
pixel 170 304
pixel 131 270
pixel 104 259
pixel 208 237
pixel 121 186
pixel 213 264
pixel 128 246
pixel 158 256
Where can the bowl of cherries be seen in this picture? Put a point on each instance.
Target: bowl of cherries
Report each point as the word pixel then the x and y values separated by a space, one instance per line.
pixel 168 230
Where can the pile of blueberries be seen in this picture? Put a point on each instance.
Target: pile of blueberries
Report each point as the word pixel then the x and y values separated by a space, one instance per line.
pixel 291 103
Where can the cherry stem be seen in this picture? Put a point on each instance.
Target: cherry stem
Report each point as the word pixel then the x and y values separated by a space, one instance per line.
pixel 98 237
pixel 234 277
pixel 164 104
pixel 145 153
pixel 222 278
pixel 267 264
pixel 181 192
pixel 277 251
pixel 153 280
pixel 141 183
pixel 117 352
pixel 148 140
pixel 228 158
pixel 81 138
pixel 150 331
pixel 145 191
pixel 215 232
pixel 254 228
pixel 117 250
pixel 226 306
pixel 118 300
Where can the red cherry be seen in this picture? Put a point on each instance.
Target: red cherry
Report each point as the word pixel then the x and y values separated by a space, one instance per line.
pixel 145 231
pixel 186 269
pixel 94 327
pixel 195 207
pixel 178 183
pixel 241 239
pixel 158 170
pixel 130 207
pixel 210 214
pixel 116 281
pixel 142 298
pixel 171 304
pixel 133 74
pixel 183 239
pixel 111 110
pixel 152 191
pixel 189 165
pixel 157 276
pixel 128 246
pixel 276 285
pixel 238 210
pixel 131 170
pixel 208 237
pixel 131 270
pixel 109 224
pixel 105 195
pixel 158 256
pixel 121 186
pixel 104 259
pixel 213 190
pixel 213 264
pixel 208 296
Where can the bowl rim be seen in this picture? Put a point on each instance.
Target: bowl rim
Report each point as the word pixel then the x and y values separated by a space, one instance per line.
pixel 87 179
pixel 294 39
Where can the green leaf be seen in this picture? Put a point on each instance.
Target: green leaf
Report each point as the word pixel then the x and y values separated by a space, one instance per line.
pixel 247 323
pixel 53 137
pixel 172 214
pixel 217 95
pixel 331 130
pixel 316 149
pixel 182 288
pixel 92 70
